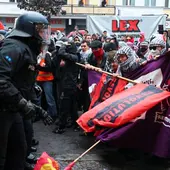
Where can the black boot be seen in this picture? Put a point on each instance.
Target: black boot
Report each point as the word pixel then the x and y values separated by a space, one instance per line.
pixel 32 159
pixel 28 166
pixel 33 149
pixel 58 130
pixel 35 142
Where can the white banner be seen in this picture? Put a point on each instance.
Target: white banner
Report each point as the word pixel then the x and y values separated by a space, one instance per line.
pixel 121 25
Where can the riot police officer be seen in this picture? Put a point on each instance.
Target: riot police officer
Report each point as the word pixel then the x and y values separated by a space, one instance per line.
pixel 18 57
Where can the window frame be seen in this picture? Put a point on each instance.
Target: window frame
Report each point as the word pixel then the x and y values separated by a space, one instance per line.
pixel 149 3
pixel 167 4
pixel 128 2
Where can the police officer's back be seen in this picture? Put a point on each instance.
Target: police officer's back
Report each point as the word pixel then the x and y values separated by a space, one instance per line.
pixel 17 77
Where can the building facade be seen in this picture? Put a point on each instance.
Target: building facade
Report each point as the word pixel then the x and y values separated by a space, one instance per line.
pixel 75 14
pixel 142 7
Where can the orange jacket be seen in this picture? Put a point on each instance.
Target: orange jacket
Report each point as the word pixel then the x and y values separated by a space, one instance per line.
pixel 44 76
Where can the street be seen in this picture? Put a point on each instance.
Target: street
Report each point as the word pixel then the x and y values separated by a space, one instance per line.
pixel 68 146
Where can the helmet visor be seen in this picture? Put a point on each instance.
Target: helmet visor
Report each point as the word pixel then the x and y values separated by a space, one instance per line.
pixel 44 32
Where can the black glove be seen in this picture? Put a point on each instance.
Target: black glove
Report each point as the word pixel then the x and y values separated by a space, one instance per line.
pixel 27 108
pixel 44 115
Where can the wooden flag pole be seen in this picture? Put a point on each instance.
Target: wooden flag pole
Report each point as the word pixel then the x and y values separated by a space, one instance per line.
pixel 111 74
pixel 87 151
pixel 69 167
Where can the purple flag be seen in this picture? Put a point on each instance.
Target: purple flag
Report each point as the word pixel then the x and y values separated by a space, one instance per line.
pixel 151 131
pixel 93 79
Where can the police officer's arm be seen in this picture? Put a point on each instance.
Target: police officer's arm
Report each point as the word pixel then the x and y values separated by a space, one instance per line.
pixel 9 60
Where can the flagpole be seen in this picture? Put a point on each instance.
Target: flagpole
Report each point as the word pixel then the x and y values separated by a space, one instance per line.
pixel 111 74
pixel 69 167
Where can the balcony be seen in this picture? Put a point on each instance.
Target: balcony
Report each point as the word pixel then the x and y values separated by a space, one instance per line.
pixel 89 10
pixel 8 9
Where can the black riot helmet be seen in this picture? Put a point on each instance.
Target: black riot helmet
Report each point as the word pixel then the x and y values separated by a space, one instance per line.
pixel 32 24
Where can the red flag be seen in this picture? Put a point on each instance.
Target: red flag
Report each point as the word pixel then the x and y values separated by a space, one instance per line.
pixel 107 86
pixel 122 107
pixel 45 162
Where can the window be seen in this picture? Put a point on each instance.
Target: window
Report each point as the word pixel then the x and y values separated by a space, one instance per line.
pixel 125 2
pixel 153 2
pixel 128 2
pixel 146 2
pixel 167 3
pixel 150 2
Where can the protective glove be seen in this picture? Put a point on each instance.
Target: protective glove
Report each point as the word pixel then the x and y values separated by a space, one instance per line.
pixel 27 108
pixel 44 115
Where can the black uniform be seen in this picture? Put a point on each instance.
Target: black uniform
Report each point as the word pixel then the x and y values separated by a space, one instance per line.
pixel 17 78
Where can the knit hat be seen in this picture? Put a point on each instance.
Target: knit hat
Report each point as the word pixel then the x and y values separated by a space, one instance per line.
pixel 96 44
pixel 144 43
pixel 109 47
pixel 157 42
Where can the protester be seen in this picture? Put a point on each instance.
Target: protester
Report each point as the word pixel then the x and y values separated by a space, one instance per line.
pixel 88 38
pixel 127 60
pixel 68 102
pixel 85 51
pixel 130 39
pixel 143 49
pixel 111 63
pixel 98 56
pixel 94 37
pixel 157 47
pixel 45 79
pixel 83 94
pixel 141 38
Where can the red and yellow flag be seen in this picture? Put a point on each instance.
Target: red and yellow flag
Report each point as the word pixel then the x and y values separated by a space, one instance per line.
pixel 45 162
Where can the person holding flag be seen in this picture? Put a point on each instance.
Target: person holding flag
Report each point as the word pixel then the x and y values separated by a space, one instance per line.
pixel 127 60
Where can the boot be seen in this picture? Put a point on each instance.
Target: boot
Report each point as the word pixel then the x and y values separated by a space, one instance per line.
pixel 28 166
pixel 32 159
pixel 35 142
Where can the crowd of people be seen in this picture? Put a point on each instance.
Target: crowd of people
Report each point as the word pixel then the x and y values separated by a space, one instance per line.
pixel 39 78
